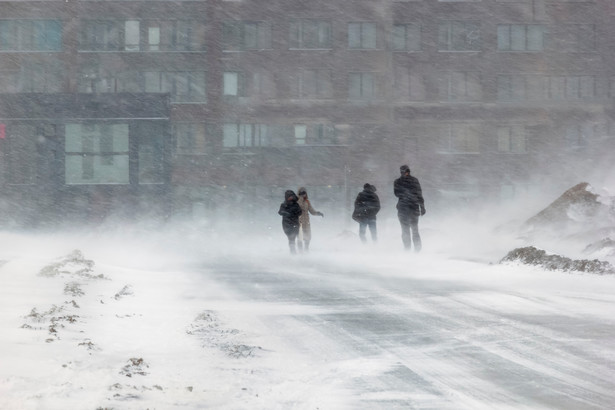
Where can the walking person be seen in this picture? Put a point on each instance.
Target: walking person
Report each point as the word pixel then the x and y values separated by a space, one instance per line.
pixel 366 206
pixel 410 206
pixel 290 211
pixel 305 231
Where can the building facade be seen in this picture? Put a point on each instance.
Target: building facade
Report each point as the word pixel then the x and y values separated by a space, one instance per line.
pixel 191 106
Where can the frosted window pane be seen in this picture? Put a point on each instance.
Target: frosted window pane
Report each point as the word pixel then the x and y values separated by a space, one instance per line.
pixel 517 40
pixel 154 38
pixel 231 84
pixel 132 35
pixel 535 38
pixel 229 135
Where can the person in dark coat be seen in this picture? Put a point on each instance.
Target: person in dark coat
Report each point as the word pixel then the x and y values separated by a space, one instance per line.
pixel 290 211
pixel 366 206
pixel 410 206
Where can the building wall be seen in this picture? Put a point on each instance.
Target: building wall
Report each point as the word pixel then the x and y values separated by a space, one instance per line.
pixel 481 98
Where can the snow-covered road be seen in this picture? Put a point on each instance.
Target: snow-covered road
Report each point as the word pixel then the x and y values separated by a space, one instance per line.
pixel 161 323
pixel 441 334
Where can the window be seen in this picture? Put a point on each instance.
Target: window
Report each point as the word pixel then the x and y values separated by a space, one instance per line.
pixel 22 154
pixel 361 86
pixel 101 35
pixel 520 37
pixel 408 86
pixel 159 35
pixel 362 35
pixel 575 38
pixel 310 34
pixel 512 139
pixel 131 35
pixel 183 86
pixel 233 84
pixel 460 138
pixel 30 35
pixel 263 84
pixel 41 78
pixel 244 135
pixel 460 86
pixel 315 134
pixel 96 80
pixel 406 37
pixel 511 88
pixel 151 156
pixel 190 137
pixel 246 35
pixel 96 154
pixel 300 134
pixel 572 87
pixel 459 36
pixel 175 35
pixel 9 81
pixel 522 88
pixel 312 84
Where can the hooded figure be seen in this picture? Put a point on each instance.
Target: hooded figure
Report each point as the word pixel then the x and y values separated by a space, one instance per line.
pixel 366 206
pixel 305 232
pixel 290 211
pixel 410 206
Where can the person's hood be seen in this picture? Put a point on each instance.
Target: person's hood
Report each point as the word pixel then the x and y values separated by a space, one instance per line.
pixel 369 188
pixel 288 193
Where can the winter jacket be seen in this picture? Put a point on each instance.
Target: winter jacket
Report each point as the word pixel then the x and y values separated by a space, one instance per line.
pixel 366 205
pixel 408 189
pixel 304 219
pixel 290 211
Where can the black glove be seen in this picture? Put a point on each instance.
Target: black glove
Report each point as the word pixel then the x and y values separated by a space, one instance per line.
pixel 423 211
pixel 321 214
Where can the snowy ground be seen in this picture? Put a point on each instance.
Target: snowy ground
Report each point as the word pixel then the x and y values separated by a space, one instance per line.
pixel 182 319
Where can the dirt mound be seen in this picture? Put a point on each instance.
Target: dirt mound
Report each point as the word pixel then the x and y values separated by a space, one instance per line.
pixel 577 203
pixel 537 257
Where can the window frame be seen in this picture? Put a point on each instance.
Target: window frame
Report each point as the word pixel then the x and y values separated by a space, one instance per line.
pixel 450 32
pixel 298 38
pixel 450 138
pixel 407 36
pixel 364 35
pixel 366 92
pixel 512 139
pixel 239 32
pixel 506 32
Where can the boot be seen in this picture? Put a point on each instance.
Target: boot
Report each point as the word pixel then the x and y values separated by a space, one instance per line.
pixel 306 245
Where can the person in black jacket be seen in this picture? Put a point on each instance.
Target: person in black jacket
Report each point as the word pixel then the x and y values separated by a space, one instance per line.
pixel 410 206
pixel 290 211
pixel 366 206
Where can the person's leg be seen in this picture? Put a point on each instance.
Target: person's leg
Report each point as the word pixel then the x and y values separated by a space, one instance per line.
pixel 300 239
pixel 405 230
pixel 373 229
pixel 362 228
pixel 291 241
pixel 307 235
pixel 416 237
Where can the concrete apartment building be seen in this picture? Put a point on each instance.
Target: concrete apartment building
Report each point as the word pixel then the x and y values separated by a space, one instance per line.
pixel 187 107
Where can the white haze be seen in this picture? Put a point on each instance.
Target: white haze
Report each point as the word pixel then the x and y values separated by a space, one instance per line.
pixel 176 315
